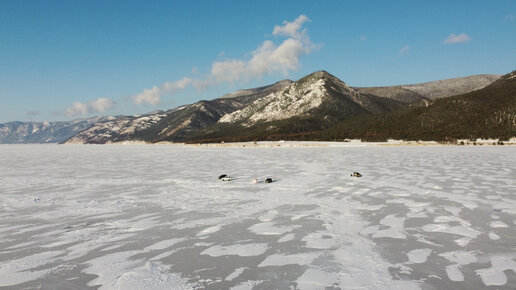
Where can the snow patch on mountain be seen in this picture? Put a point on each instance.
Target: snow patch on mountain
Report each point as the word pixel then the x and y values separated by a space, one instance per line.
pixel 102 132
pixel 44 132
pixel 293 100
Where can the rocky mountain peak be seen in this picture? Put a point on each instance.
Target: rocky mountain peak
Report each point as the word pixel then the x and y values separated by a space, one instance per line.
pixel 293 100
pixel 330 81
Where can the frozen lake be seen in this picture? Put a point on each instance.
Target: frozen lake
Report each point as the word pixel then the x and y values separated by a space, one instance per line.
pixel 156 217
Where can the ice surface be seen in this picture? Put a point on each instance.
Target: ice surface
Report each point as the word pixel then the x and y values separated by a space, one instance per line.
pixel 493 236
pixel 270 229
pixel 118 271
pixel 394 230
pixel 164 244
pixel 454 273
pixel 235 274
pixel 294 259
pixel 319 240
pixel 419 255
pixel 460 257
pixel 495 274
pixel 286 238
pixel 317 279
pixel 236 250
pixel 157 217
pixel 498 224
pixel 22 269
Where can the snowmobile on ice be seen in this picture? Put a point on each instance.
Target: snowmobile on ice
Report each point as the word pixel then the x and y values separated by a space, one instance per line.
pixel 225 177
pixel 356 174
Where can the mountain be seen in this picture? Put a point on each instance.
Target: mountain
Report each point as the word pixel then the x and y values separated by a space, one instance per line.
pixel 489 112
pixel 397 93
pixel 451 87
pixel 174 125
pixel 431 90
pixel 319 92
pixel 312 103
pixel 44 132
pixel 286 109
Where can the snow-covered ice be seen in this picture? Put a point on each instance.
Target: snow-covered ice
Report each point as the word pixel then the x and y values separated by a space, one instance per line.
pixel 419 255
pixel 157 217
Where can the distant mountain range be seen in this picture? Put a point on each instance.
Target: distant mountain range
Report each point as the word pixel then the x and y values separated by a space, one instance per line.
pixel 432 90
pixel 485 107
pixel 489 112
pixel 44 132
pixel 319 106
pixel 175 125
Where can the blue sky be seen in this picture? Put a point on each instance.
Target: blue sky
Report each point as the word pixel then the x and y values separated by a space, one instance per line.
pixel 61 60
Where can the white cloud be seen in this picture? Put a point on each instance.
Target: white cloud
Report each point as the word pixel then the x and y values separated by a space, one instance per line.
pixel 102 104
pixel 452 38
pixel 153 96
pixel 511 17
pixel 177 85
pixel 150 96
pixel 267 58
pixel 363 37
pixel 76 109
pixel 404 50
pixel 228 71
pixel 99 105
pixel 291 29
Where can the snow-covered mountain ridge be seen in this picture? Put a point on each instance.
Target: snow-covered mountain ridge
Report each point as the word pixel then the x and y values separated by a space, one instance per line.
pixel 432 90
pixel 45 132
pixel 301 98
pixel 319 98
pixel 173 125
pixel 104 132
pixel 288 102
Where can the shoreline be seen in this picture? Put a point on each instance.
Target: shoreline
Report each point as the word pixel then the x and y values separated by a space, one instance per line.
pixel 268 144
pixel 351 143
